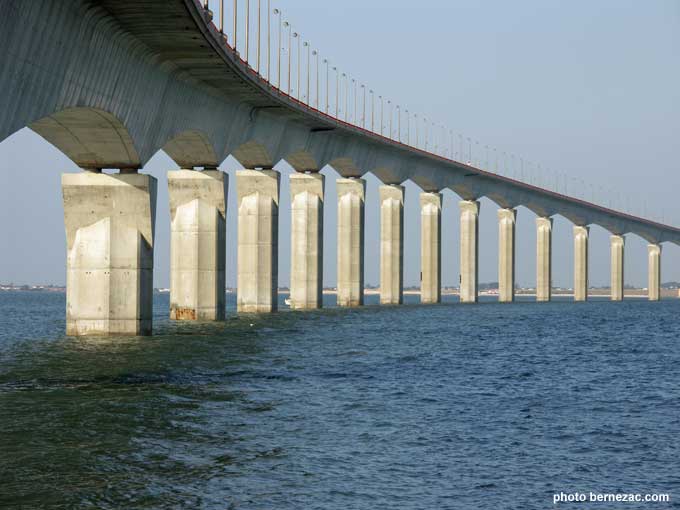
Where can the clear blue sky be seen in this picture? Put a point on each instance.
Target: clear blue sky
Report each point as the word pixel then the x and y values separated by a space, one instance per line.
pixel 588 88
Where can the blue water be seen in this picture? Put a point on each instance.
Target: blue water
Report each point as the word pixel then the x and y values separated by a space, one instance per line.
pixel 454 406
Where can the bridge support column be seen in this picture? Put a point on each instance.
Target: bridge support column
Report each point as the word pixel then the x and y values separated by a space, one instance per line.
pixel 617 252
pixel 109 222
pixel 543 259
pixel 258 231
pixel 197 244
pixel 430 247
pixel 469 250
pixel 306 261
pixel 351 196
pixel 581 263
pixel 506 255
pixel 654 283
pixel 391 244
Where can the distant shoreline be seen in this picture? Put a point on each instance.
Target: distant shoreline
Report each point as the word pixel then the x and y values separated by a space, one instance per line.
pixel 593 292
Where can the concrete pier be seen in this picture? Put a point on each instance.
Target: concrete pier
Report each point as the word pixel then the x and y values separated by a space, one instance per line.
pixel 258 230
pixel 543 259
pixel 198 212
pixel 109 222
pixel 506 255
pixel 469 250
pixel 391 244
pixel 654 283
pixel 430 247
pixel 351 197
pixel 617 252
pixel 580 263
pixel 306 259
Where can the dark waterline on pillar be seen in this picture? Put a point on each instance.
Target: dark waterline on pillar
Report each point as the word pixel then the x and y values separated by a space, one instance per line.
pixel 414 407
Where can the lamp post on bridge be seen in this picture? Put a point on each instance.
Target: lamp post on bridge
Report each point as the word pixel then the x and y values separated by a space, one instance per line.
pixel 389 104
pixel 344 75
pixel 299 88
pixel 408 128
pixel 247 34
pixel 354 117
pixel 325 61
pixel 398 124
pixel 277 12
pixel 337 91
pixel 235 21
pixel 363 114
pixel 316 65
pixel 290 50
pixel 372 110
pixel 309 70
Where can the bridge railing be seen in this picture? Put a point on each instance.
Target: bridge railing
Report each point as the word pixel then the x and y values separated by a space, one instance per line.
pixel 267 42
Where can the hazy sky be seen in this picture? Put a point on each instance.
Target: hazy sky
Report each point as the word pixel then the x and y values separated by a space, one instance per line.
pixel 589 88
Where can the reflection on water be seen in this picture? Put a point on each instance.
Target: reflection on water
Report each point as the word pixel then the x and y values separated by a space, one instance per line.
pixel 450 406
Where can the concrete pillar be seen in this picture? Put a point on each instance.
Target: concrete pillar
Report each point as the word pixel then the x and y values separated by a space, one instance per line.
pixel 198 212
pixel 351 196
pixel 506 255
pixel 469 250
pixel 391 244
pixel 430 247
pixel 109 222
pixel 581 263
pixel 543 259
pixel 654 284
pixel 306 258
pixel 617 251
pixel 258 230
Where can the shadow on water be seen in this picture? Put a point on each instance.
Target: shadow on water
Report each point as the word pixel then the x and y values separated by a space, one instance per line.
pixel 448 406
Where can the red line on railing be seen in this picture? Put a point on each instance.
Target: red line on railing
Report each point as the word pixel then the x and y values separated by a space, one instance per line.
pixel 362 130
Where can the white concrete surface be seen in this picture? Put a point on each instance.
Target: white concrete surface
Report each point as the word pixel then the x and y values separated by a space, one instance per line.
pixel 306 258
pixel 506 255
pixel 391 244
pixel 581 263
pixel 258 228
pixel 430 247
pixel 617 257
pixel 198 212
pixel 654 280
pixel 543 259
pixel 109 222
pixel 469 251
pixel 351 197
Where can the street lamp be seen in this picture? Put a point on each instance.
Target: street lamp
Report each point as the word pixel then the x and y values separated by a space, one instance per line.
pixel 247 28
pixel 381 114
pixel 325 61
pixel 408 128
pixel 363 113
pixel 354 118
pixel 290 50
pixel 426 131
pixel 278 81
pixel 316 58
pixel 398 123
pixel 415 119
pixel 344 75
pixel 337 92
pixel 296 36
pixel 235 21
pixel 309 69
pixel 372 110
pixel 389 103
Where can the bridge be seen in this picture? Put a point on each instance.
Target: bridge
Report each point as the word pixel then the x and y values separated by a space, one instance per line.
pixel 110 83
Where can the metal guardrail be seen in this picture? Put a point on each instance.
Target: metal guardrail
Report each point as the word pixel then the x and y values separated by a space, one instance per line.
pixel 291 66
